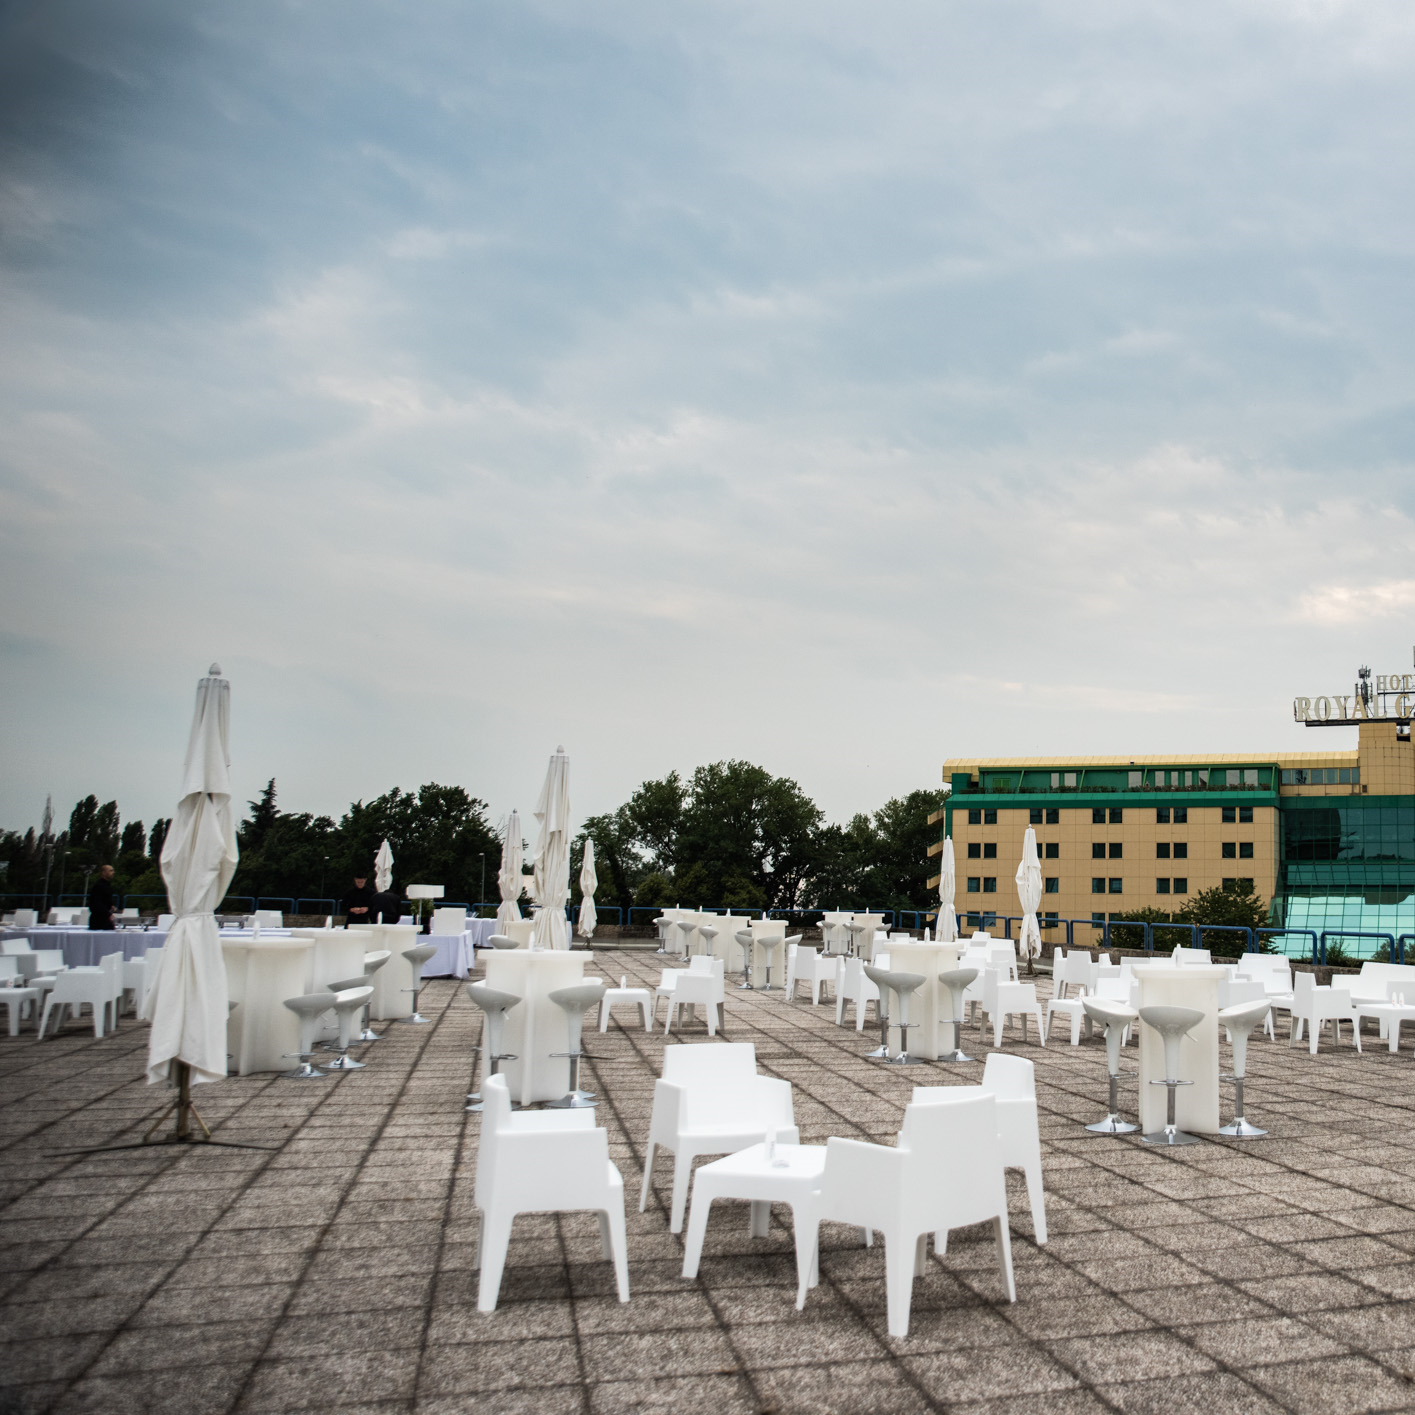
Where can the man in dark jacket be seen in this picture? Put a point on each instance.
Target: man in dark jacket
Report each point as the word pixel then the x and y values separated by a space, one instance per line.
pixel 358 903
pixel 101 900
pixel 387 908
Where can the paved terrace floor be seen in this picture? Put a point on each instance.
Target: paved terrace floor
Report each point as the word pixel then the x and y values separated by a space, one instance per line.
pixel 332 1270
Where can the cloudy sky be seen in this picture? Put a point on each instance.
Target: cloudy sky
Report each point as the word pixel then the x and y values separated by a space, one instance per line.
pixel 838 386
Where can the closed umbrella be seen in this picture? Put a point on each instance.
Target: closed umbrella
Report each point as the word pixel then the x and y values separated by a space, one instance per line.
pixel 1029 895
pixel 188 1003
pixel 383 868
pixel 946 924
pixel 510 877
pixel 551 877
pixel 589 882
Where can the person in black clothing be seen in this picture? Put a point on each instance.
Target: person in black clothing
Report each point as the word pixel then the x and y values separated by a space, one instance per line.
pixel 100 900
pixel 387 908
pixel 358 903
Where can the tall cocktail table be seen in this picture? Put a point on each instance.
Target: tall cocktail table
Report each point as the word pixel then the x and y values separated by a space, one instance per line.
pixel 749 1175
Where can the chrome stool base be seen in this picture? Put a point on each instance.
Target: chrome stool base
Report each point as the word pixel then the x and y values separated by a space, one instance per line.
pixel 1170 1136
pixel 345 1062
pixel 1113 1125
pixel 306 1071
pixel 1241 1130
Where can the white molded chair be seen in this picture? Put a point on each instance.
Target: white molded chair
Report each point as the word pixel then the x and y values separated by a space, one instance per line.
pixel 668 981
pixel 21 1002
pixel 269 918
pixel 701 987
pixel 710 1101
pixel 1191 956
pixel 1002 1000
pixel 852 986
pixel 12 946
pixel 917 1187
pixel 1012 1082
pixel 1313 1005
pixel 810 966
pixel 1234 991
pixel 542 1161
pixel 26 918
pixel 1073 968
pixel 77 988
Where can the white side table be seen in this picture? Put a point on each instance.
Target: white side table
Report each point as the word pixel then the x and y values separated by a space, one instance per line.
pixel 1390 1015
pixel 623 996
pixel 748 1175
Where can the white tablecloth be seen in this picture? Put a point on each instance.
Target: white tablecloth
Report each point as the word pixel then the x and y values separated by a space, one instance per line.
pixel 536 1027
pixel 260 974
pixel 84 947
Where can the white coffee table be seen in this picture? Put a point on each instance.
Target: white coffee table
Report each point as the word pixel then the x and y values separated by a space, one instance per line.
pixel 748 1175
pixel 1390 1015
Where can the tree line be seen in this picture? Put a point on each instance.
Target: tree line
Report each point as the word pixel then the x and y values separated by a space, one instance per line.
pixel 730 834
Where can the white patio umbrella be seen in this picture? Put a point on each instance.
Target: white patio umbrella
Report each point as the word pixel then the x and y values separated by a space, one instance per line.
pixel 383 868
pixel 1029 895
pixel 187 1005
pixel 510 876
pixel 551 875
pixel 589 882
pixel 946 924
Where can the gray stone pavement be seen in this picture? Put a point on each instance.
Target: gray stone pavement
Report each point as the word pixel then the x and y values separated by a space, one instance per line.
pixel 332 1270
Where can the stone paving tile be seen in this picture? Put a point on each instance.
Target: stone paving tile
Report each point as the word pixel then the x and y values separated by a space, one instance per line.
pixel 333 1268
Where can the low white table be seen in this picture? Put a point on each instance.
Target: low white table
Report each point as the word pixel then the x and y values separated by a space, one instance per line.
pixel 748 1175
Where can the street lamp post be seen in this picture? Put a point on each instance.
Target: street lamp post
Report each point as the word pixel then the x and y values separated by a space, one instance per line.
pixel 481 892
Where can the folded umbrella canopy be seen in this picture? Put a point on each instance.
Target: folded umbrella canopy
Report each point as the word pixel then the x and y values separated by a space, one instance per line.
pixel 946 924
pixel 1029 895
pixel 383 868
pixel 551 877
pixel 510 877
pixel 187 1004
pixel 589 882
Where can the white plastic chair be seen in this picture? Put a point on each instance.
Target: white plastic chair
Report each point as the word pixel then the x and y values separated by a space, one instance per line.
pixel 852 986
pixel 542 1161
pixel 1313 1005
pixel 269 918
pixel 26 918
pixel 12 946
pixel 1191 956
pixel 20 1002
pixel 668 980
pixel 1012 1082
pixel 917 1187
pixel 77 988
pixel 165 922
pixel 1074 968
pixel 701 987
pixel 1002 1000
pixel 449 921
pixel 1234 991
pixel 710 1101
pixel 810 966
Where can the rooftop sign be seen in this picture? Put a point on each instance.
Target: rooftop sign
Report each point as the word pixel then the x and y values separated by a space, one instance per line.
pixel 1391 700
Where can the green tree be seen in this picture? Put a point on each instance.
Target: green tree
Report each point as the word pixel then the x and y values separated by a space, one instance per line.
pixel 81 822
pixel 1236 903
pixel 264 814
pixel 103 838
pixel 134 839
pixel 157 837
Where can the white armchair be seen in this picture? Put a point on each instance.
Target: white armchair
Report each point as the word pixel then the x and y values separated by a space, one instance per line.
pixel 918 1187
pixel 1313 1005
pixel 807 965
pixel 711 1101
pixel 852 986
pixel 542 1161
pixel 704 987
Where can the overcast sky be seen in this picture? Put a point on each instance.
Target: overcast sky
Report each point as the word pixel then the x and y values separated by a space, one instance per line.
pixel 842 387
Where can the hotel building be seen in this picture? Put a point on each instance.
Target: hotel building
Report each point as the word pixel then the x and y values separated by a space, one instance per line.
pixel 1327 837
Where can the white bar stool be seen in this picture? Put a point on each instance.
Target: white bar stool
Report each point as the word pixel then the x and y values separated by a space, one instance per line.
pixel 575 1002
pixel 494 1004
pixel 372 963
pixel 309 1007
pixel 880 977
pixel 349 997
pixel 1173 1024
pixel 707 933
pixel 417 957
pixel 1240 1020
pixel 957 981
pixel 1115 1017
pixel 747 944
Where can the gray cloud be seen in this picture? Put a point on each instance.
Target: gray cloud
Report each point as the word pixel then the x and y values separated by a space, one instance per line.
pixel 838 389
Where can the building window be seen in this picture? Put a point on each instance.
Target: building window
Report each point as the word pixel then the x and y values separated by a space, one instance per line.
pixel 1117 886
pixel 1053 815
pixel 1053 885
pixel 1230 815
pixel 1117 815
pixel 974 884
pixel 1162 850
pixel 1050 917
pixel 1055 780
pixel 975 816
pixel 1250 776
pixel 1097 886
pixel 1098 917
pixel 1161 815
pixel 1181 849
pixel 1116 850
pixel 1181 885
pixel 1098 815
pixel 1098 849
pixel 1136 780
pixel 1229 850
pixel 1161 886
pixel 990 850
pixel 990 817
pixel 1241 884
pixel 1053 850
pixel 1245 849
pixel 1245 815
pixel 1035 816
pixel 989 884
pixel 975 850
pixel 1068 778
pixel 1181 815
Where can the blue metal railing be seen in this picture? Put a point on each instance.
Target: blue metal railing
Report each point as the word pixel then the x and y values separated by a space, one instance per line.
pixel 285 906
pixel 332 909
pixel 1400 948
pixel 237 904
pixel 1351 933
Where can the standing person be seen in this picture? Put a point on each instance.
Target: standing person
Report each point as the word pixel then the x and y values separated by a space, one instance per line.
pixel 100 899
pixel 357 904
pixel 387 908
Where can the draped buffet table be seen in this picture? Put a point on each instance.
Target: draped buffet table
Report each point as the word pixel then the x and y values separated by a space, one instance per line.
pixel 82 948
pixel 536 1027
pixel 262 1032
